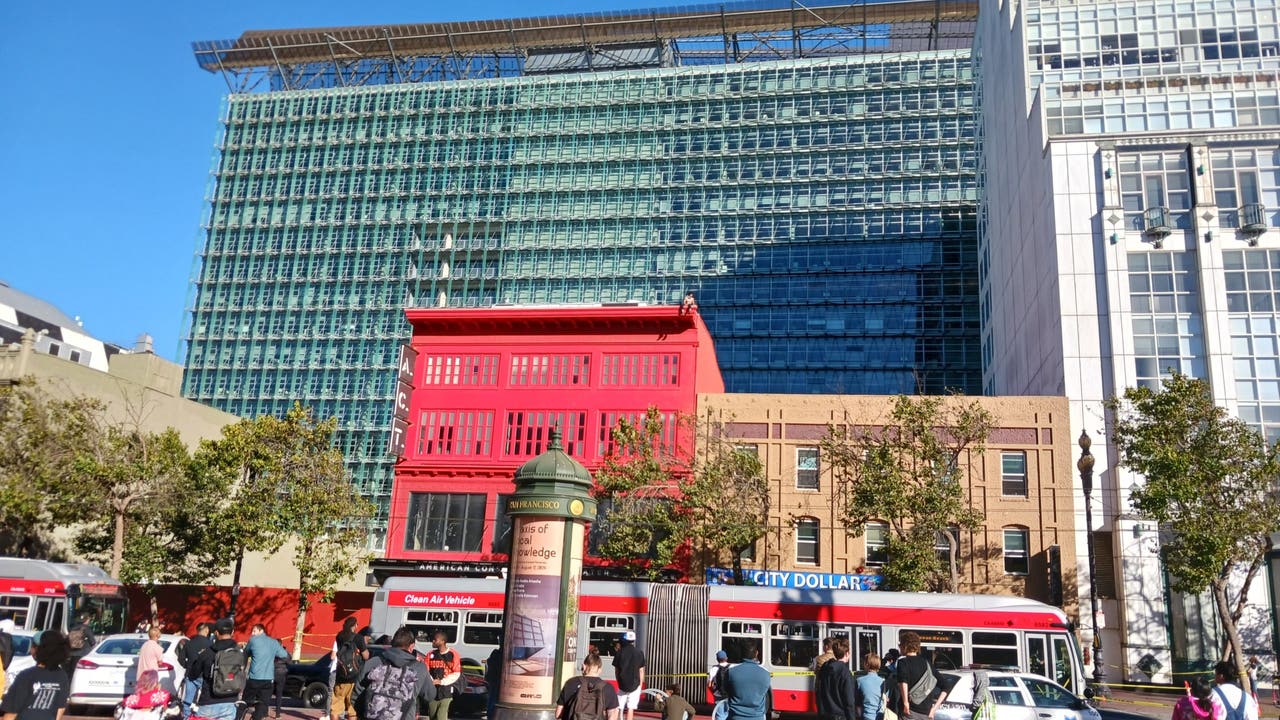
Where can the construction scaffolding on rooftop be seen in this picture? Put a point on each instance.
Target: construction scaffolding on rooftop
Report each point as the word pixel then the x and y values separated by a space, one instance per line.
pixel 758 30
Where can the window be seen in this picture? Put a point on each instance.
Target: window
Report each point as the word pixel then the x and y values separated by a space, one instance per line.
pixel 1013 474
pixel 876 537
pixel 642 370
pixel 735 635
pixel 483 628
pixel 479 370
pixel 807 540
pixel 452 523
pixel 995 648
pixel 550 369
pixel 793 644
pixel 942 548
pixel 603 630
pixel 1047 695
pixel 748 554
pixel 1015 551
pixel 465 432
pixel 54 349
pixel 75 356
pixel 609 420
pixel 426 623
pixel 751 450
pixel 16 607
pixel 807 468
pixel 1164 297
pixel 529 431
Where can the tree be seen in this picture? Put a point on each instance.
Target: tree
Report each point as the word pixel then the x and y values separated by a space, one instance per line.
pixel 636 488
pixel 1210 483
pixel 726 500
pixel 325 516
pixel 660 501
pixel 40 437
pixel 906 474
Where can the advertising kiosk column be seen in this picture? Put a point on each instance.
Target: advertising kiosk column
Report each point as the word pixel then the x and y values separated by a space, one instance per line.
pixel 549 511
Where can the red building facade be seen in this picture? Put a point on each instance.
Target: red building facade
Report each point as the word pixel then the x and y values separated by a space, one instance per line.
pixel 488 387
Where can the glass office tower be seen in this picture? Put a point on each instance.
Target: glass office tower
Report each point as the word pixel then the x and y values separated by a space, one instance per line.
pixel 821 203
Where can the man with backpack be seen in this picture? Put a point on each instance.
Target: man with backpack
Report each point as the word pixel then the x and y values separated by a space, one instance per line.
pixel 224 670
pixel 351 653
pixel 391 685
pixel 715 678
pixel 587 697
pixel 80 640
pixel 446 672
pixel 1235 702
pixel 198 643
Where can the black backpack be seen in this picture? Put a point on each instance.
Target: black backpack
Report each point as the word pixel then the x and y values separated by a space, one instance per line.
pixel 349 661
pixel 588 703
pixel 717 681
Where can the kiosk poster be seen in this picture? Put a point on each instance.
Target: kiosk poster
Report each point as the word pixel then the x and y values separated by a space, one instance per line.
pixel 533 609
pixel 573 573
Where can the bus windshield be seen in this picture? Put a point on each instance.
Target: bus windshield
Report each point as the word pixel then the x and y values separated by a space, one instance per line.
pixel 106 613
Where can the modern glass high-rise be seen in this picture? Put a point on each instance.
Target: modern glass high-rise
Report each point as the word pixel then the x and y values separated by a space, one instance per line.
pixel 807 170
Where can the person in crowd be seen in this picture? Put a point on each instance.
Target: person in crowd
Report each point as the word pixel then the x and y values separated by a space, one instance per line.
pixel 715 678
pixel 1252 668
pixel 676 707
pixel 217 701
pixel 281 668
pixel 889 666
pixel 1198 703
pixel 1236 703
pixel 493 679
pixel 748 687
pixel 192 682
pixel 40 692
pixel 262 651
pixel 836 694
pixel 151 655
pixel 147 694
pixel 351 654
pixel 628 671
pixel 391 685
pixel 920 688
pixel 870 687
pixel 445 665
pixel 80 639
pixel 587 694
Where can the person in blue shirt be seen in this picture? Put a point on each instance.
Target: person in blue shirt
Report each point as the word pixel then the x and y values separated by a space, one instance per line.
pixel 262 650
pixel 871 689
pixel 748 687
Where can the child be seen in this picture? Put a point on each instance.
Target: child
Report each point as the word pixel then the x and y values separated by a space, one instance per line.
pixel 676 707
pixel 1198 703
pixel 871 689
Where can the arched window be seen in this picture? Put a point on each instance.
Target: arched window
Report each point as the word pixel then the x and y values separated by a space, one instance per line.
pixel 807 540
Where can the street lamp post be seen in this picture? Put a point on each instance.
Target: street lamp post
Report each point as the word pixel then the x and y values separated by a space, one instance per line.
pixel 1085 466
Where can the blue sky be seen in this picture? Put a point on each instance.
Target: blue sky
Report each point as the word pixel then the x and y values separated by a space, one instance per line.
pixel 106 141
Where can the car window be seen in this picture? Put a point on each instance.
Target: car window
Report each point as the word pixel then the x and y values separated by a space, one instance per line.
pixel 1048 695
pixel 1008 697
pixel 1002 682
pixel 120 646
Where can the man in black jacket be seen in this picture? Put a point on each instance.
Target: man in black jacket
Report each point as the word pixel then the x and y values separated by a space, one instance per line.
pixel 210 704
pixel 837 696
pixel 200 642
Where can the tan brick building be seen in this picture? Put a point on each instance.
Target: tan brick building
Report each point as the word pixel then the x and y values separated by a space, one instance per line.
pixel 1021 484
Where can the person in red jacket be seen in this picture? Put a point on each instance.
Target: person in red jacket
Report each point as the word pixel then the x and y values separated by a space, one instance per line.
pixel 445 666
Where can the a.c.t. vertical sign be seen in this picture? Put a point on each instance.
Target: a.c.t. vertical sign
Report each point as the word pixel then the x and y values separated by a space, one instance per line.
pixel 404 388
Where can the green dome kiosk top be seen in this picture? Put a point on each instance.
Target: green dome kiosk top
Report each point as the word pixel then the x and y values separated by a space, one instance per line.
pixel 553 483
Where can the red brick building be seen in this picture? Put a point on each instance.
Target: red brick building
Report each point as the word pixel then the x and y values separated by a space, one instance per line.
pixel 488 387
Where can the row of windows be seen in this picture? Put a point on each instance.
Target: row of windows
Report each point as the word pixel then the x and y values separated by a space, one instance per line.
pixel 630 370
pixel 469 433
pixel 808 470
pixel 591 90
pixel 876 545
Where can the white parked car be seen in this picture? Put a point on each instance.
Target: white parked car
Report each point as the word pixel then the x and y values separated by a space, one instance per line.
pixel 109 672
pixel 1017 696
pixel 22 657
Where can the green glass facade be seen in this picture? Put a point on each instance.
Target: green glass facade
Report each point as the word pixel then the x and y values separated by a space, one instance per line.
pixel 821 209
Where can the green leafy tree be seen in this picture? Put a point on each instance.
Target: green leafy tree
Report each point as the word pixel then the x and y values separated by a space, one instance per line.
pixel 906 473
pixel 1210 481
pixel 40 439
pixel 325 516
pixel 661 502
pixel 726 498
pixel 636 488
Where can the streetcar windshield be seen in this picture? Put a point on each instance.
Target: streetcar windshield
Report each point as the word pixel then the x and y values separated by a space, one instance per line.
pixel 106 613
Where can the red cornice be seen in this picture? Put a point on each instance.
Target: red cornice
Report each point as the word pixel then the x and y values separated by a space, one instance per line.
pixel 569 319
